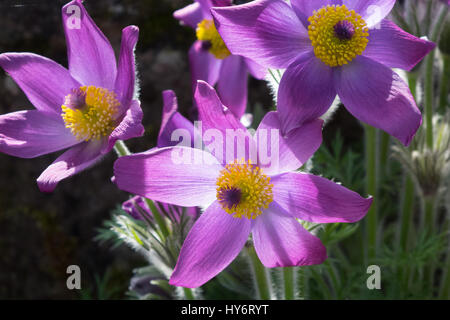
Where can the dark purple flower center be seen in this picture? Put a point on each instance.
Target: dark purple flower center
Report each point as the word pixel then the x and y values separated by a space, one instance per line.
pixel 206 45
pixel 230 197
pixel 344 30
pixel 76 100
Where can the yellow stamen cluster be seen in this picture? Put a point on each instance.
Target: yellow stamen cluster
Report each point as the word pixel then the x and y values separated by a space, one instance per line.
pixel 329 48
pixel 255 188
pixel 96 118
pixel 207 32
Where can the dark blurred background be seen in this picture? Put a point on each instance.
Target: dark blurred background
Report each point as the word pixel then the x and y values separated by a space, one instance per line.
pixel 42 234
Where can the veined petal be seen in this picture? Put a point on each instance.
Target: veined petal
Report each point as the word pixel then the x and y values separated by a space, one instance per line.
pixel 256 70
pixel 281 241
pixel 305 8
pixel 31 133
pixel 266 31
pixel 91 57
pixel 204 66
pixel 130 126
pixel 126 74
pixel 372 11
pixel 376 95
pixel 212 244
pixel 231 140
pixel 173 120
pixel 190 15
pixel 175 175
pixel 212 112
pixel 306 92
pixel 288 152
pixel 396 48
pixel 316 199
pixel 43 81
pixel 71 162
pixel 232 84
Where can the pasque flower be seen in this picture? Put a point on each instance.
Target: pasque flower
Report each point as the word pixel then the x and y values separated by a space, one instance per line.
pixel 86 108
pixel 330 47
pixel 242 196
pixel 210 59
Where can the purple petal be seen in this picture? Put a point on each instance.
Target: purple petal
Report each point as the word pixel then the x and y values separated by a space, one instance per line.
pixel 212 112
pixel 289 152
pixel 91 57
pixel 44 82
pixel 29 134
pixel 256 70
pixel 316 199
pixel 133 207
pixel 372 11
pixel 218 119
pixel 212 244
pixel 376 95
pixel 396 48
pixel 306 91
pixel 266 31
pixel 190 15
pixel 175 175
pixel 71 162
pixel 173 120
pixel 305 8
pixel 130 126
pixel 126 74
pixel 204 66
pixel 232 85
pixel 281 241
pixel 221 3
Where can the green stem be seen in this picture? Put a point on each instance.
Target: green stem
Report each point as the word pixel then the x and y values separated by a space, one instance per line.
pixel 429 204
pixel 429 99
pixel 188 294
pixel 407 209
pixel 384 151
pixel 289 283
pixel 121 149
pixel 445 81
pixel 261 276
pixel 429 89
pixel 429 218
pixel 412 83
pixel 371 189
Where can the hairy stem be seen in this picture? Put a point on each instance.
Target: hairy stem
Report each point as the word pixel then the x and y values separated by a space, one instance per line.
pixel 289 283
pixel 261 275
pixel 371 189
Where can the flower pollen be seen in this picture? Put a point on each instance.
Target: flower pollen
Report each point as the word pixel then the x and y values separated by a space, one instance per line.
pixel 337 34
pixel 243 190
pixel 211 39
pixel 90 112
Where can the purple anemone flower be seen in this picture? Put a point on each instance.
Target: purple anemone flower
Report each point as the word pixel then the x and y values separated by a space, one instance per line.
pixel 86 108
pixel 241 196
pixel 330 47
pixel 210 59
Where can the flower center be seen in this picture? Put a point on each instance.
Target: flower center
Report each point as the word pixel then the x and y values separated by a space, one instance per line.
pixel 211 39
pixel 90 112
pixel 337 34
pixel 243 190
